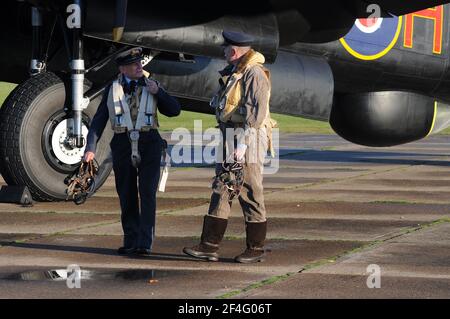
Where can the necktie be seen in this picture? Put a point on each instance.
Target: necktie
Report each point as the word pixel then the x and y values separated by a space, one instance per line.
pixel 131 87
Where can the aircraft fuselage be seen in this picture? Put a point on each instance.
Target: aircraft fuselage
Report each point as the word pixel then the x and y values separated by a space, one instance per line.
pixel 405 53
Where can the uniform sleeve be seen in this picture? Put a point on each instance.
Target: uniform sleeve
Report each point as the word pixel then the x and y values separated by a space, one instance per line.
pixel 255 103
pixel 98 123
pixel 256 95
pixel 167 104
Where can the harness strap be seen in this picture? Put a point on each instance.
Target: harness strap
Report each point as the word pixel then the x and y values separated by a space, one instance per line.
pixel 134 139
pixel 123 122
pixel 121 107
pixel 165 171
pixel 146 109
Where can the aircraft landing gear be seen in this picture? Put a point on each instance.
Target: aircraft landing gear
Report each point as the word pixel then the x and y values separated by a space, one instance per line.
pixel 43 127
pixel 33 138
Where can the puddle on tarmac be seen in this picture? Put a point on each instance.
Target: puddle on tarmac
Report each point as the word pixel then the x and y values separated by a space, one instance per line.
pixel 63 274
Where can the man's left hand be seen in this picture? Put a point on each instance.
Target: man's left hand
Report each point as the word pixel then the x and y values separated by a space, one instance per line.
pixel 152 87
pixel 239 152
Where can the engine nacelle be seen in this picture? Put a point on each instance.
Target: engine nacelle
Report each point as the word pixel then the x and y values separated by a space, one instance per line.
pixel 301 85
pixel 387 118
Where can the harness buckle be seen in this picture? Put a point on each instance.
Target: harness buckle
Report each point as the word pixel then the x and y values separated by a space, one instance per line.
pixel 135 156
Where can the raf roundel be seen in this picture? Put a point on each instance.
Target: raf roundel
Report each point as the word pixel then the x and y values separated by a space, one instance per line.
pixel 370 25
pixel 372 38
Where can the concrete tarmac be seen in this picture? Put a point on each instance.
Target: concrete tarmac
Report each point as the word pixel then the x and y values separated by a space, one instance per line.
pixel 334 209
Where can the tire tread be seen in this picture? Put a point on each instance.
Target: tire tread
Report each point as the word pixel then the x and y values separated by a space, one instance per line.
pixel 11 116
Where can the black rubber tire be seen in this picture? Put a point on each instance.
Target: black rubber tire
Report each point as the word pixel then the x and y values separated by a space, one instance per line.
pixel 22 119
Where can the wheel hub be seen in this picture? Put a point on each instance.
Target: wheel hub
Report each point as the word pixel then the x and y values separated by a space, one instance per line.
pixel 62 150
pixel 59 153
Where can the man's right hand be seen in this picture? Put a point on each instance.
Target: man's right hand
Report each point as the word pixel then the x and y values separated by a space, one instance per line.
pixel 88 156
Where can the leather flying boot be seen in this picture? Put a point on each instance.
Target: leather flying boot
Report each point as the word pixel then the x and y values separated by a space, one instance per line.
pixel 256 235
pixel 212 234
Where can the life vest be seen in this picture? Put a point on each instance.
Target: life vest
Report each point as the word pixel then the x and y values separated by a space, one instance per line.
pixel 228 101
pixel 120 114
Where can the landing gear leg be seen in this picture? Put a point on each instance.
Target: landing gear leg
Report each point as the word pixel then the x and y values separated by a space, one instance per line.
pixel 37 65
pixel 79 102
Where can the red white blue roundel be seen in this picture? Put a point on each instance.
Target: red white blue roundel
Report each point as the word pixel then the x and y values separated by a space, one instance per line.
pixel 372 38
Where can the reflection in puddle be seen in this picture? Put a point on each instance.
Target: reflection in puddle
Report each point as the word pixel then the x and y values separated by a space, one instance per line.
pixel 63 274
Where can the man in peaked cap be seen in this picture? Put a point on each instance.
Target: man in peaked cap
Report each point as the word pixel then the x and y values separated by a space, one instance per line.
pixel 242 103
pixel 237 39
pixel 130 103
pixel 130 56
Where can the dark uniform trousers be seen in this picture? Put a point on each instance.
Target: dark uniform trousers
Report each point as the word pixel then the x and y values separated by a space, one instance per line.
pixel 138 221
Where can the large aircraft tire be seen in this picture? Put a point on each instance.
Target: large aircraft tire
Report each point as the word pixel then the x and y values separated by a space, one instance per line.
pixel 32 128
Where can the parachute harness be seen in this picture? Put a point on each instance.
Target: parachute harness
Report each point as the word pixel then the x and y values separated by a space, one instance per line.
pixel 231 178
pixel 81 183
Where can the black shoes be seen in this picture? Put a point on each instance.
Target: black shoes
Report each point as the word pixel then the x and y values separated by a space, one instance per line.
pixel 143 252
pixel 126 250
pixel 134 251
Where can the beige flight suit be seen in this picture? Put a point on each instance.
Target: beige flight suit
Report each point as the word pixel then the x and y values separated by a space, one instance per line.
pixel 253 108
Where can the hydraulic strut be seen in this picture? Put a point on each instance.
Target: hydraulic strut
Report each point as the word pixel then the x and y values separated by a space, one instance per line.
pixel 79 102
pixel 37 65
